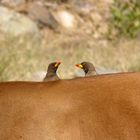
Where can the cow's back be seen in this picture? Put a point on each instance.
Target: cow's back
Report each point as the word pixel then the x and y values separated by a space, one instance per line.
pixel 97 108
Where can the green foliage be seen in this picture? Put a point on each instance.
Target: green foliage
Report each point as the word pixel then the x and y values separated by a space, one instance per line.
pixel 126 17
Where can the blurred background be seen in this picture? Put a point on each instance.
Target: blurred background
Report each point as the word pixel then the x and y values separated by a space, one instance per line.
pixel 34 33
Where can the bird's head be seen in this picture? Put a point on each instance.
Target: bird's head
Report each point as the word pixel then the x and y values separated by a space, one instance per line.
pixel 53 67
pixel 86 66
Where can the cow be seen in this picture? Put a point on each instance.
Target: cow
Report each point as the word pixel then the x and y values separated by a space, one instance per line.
pixel 102 107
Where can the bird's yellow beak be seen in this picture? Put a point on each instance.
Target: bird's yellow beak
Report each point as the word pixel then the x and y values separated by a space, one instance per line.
pixel 79 66
pixel 57 64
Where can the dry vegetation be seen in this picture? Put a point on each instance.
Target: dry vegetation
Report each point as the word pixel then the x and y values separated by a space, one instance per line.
pixel 20 58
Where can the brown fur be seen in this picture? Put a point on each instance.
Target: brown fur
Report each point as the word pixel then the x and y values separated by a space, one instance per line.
pixel 100 108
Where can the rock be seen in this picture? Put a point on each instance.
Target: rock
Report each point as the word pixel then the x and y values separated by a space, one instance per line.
pixel 38 12
pixel 83 7
pixel 66 19
pixel 12 3
pixel 16 24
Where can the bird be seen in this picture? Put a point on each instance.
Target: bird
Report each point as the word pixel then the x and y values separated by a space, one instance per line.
pixel 88 68
pixel 52 72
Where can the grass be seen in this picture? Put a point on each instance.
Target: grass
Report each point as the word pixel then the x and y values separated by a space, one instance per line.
pixel 125 18
pixel 21 57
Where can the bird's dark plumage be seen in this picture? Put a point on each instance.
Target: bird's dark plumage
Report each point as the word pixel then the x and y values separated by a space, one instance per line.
pixel 88 68
pixel 51 72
